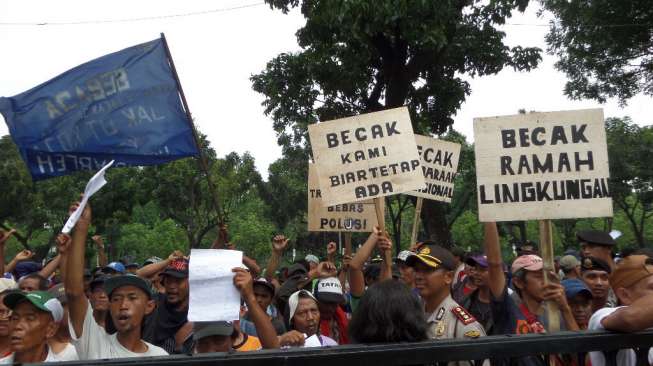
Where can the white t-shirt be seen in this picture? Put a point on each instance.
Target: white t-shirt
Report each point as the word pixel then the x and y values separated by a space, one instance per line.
pixel 51 357
pixel 95 343
pixel 625 357
pixel 68 354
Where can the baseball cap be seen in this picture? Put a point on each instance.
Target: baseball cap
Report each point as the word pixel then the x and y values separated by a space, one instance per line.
pixel 177 268
pixel 296 269
pixel 114 267
pixel 293 302
pixel 433 256
pixel 574 287
pixel 312 259
pixel 42 300
pixel 7 284
pixel 631 270
pixel 477 260
pixel 263 282
pixel 403 256
pixel 26 267
pixel 126 280
pixel 568 262
pixel 207 329
pixel 529 262
pixel 132 265
pixel 98 280
pixel 59 292
pixel 151 260
pixel 329 290
pixel 594 264
pixel 595 237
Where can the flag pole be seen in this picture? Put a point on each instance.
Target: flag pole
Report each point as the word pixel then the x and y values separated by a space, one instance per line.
pixel 202 159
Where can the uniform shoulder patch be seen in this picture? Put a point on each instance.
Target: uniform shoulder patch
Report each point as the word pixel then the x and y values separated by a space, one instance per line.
pixel 473 333
pixel 462 314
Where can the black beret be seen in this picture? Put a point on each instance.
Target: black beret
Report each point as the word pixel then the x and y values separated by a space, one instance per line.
pixel 593 264
pixel 595 237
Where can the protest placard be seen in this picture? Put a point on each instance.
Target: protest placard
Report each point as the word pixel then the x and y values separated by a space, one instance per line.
pixel 366 156
pixel 542 166
pixel 355 217
pixel 439 161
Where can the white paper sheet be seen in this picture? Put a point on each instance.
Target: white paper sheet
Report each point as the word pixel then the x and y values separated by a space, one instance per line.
pixel 312 341
pixel 213 296
pixel 94 184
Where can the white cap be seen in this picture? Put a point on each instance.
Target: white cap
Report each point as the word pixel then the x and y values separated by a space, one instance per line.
pixel 293 301
pixel 312 259
pixel 404 254
pixel 7 284
pixel 329 290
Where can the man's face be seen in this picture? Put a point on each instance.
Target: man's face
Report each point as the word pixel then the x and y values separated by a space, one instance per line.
pixel 478 275
pixel 263 296
pixel 213 344
pixel 129 305
pixel 597 281
pixel 5 319
pixel 532 284
pixel 596 251
pixel 312 266
pixel 30 327
pixel 176 289
pixel 99 300
pixel 407 274
pixel 431 282
pixel 29 284
pixel 307 317
pixel 581 308
pixel 638 290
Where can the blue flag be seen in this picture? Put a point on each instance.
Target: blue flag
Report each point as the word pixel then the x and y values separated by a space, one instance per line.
pixel 123 106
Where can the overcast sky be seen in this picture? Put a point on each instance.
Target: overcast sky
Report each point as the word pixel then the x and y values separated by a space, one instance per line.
pixel 216 52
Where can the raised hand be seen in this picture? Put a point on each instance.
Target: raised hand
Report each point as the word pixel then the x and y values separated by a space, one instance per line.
pixel 326 269
pixel 99 243
pixel 279 244
pixel 5 235
pixel 63 243
pixel 24 255
pixel 244 282
pixel 331 249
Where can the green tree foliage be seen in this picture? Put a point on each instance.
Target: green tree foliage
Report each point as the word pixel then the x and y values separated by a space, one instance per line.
pixel 630 151
pixel 363 56
pixel 603 46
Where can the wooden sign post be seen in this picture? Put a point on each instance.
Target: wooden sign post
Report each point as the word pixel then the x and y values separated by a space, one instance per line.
pixel 416 219
pixel 542 166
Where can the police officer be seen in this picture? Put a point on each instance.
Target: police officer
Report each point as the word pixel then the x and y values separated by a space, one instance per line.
pixel 446 319
pixel 597 244
pixel 595 273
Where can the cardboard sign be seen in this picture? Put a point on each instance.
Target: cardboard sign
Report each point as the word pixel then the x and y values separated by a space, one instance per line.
pixel 542 166
pixel 366 156
pixel 353 217
pixel 439 160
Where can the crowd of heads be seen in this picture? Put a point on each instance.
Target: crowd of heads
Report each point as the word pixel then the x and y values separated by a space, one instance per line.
pixel 64 310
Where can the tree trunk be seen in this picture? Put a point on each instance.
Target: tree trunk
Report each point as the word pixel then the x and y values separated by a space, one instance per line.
pixel 435 223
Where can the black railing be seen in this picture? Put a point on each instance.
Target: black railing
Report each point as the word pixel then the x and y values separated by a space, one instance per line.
pixel 505 347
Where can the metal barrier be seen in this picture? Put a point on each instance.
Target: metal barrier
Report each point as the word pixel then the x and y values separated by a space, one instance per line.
pixel 504 347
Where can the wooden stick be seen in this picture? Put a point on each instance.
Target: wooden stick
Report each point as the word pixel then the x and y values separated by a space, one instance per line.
pixel 546 249
pixel 348 243
pixel 379 205
pixel 416 220
pixel 202 158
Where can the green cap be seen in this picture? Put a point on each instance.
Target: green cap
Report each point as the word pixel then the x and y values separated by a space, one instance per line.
pixel 42 300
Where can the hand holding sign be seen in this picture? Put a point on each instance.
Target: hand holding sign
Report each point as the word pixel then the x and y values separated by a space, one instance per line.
pixel 93 185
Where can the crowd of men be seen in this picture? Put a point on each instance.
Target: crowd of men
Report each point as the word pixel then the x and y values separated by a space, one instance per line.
pixel 66 311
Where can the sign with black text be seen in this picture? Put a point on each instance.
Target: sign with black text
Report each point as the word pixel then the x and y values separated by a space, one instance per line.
pixel 439 165
pixel 366 156
pixel 354 217
pixel 542 166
